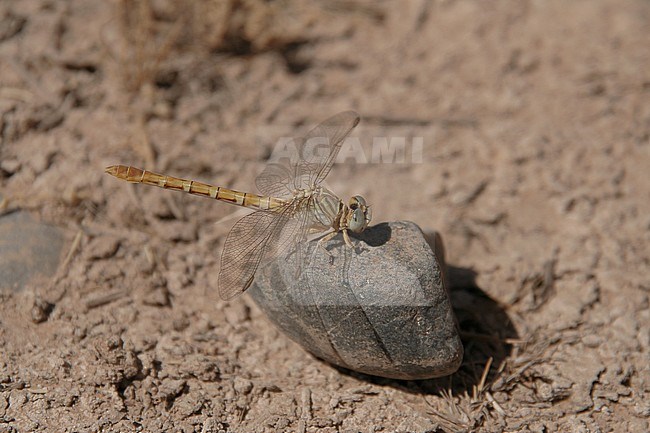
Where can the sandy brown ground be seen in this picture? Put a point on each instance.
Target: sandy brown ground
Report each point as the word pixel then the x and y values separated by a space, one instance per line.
pixel 535 120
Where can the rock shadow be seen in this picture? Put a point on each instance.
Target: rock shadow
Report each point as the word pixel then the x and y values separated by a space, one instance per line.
pixel 376 235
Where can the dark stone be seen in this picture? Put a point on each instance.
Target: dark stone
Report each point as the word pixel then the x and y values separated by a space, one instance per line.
pixel 380 308
pixel 27 249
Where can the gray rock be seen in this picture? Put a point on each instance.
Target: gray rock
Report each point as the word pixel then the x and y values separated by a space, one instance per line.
pixel 27 249
pixel 380 309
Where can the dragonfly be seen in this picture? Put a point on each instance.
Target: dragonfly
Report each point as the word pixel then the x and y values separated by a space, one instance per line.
pixel 293 204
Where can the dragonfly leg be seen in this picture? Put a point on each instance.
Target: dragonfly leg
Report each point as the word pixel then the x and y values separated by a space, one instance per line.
pixel 346 238
pixel 324 239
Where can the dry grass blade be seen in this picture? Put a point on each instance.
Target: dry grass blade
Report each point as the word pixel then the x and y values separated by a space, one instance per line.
pixel 464 412
pixel 103 298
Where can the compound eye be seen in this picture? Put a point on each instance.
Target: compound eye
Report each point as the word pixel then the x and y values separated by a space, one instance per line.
pixel 356 202
pixel 358 221
pixel 360 214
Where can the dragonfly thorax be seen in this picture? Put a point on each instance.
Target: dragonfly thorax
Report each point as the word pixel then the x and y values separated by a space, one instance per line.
pixel 326 206
pixel 331 211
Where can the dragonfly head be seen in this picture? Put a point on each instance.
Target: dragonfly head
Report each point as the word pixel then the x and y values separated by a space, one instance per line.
pixel 359 215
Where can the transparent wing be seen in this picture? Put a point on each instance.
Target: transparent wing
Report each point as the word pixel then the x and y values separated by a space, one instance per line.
pixel 276 180
pixel 255 239
pixel 243 251
pixel 314 155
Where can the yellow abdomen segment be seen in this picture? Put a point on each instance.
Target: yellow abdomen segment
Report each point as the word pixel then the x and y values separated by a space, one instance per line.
pixel 137 175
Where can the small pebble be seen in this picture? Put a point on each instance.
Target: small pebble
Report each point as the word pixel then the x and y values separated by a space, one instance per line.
pixel 41 310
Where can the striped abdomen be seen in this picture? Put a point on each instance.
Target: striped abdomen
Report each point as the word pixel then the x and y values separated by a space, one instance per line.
pixel 136 175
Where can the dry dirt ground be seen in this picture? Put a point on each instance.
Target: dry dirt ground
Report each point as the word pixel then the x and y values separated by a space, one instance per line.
pixel 535 122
